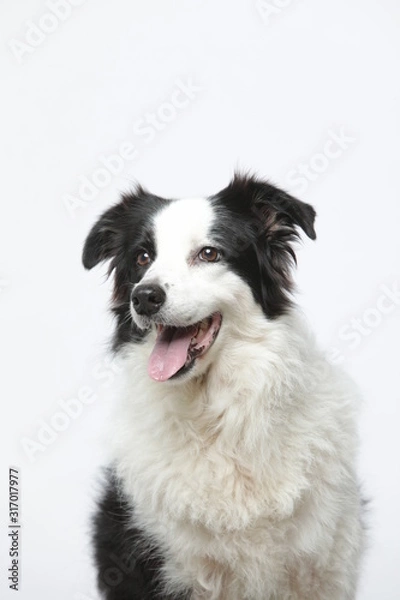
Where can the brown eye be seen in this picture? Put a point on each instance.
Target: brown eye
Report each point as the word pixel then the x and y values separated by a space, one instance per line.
pixel 143 259
pixel 209 254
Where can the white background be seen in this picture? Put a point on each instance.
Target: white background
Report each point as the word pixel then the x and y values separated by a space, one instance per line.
pixel 270 90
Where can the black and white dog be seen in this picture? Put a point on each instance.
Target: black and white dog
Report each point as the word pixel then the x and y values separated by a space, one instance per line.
pixel 235 440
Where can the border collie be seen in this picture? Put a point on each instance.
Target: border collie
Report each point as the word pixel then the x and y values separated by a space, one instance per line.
pixel 233 473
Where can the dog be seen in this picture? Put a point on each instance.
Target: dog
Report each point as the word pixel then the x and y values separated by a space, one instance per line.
pixel 234 444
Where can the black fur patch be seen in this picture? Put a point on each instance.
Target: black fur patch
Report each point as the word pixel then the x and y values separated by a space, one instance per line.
pixel 128 564
pixel 117 236
pixel 256 227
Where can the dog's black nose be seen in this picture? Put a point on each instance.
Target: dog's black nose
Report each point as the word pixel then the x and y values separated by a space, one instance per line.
pixel 148 299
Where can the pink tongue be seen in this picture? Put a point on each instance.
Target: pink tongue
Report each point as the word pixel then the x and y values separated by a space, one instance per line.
pixel 170 352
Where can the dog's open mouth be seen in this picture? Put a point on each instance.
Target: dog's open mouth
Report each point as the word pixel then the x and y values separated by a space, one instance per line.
pixel 177 348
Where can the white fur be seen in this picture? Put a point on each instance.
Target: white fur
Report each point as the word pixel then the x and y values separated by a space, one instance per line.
pixel 244 471
pixel 194 290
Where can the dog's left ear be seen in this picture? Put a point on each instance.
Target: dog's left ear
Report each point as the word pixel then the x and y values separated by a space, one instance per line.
pixel 275 217
pixel 276 208
pixel 295 211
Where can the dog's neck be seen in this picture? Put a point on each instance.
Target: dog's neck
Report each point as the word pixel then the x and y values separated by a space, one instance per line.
pixel 240 414
pixel 264 362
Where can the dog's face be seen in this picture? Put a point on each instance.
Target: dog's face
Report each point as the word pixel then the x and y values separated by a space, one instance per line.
pixel 186 268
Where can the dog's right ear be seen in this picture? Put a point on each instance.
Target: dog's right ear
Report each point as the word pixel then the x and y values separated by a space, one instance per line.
pixel 105 237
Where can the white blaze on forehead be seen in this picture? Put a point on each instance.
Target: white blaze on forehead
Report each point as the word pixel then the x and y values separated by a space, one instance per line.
pixel 182 227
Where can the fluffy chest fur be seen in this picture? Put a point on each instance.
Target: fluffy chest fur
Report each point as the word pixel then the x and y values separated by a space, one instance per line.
pixel 220 471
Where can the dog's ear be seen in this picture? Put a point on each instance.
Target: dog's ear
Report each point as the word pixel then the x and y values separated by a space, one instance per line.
pixel 272 206
pixel 290 210
pixel 271 222
pixel 105 237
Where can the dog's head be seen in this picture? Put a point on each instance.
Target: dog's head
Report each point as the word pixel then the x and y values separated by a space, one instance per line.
pixel 185 268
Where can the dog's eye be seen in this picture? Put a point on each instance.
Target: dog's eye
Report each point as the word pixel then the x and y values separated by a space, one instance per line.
pixel 143 259
pixel 209 254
